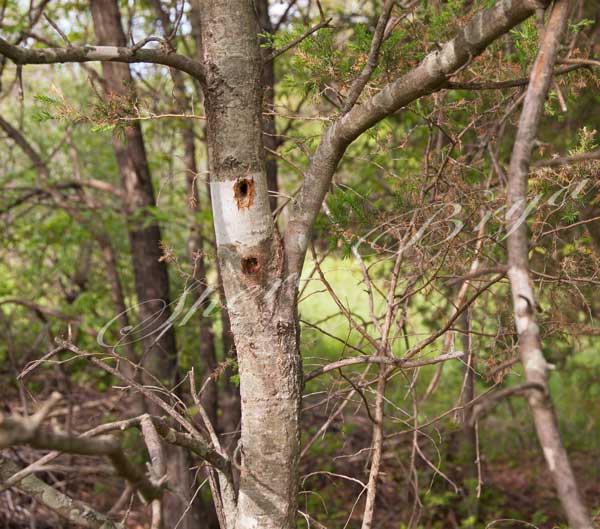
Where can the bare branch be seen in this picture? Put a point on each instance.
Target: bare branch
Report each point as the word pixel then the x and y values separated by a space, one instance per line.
pixel 15 430
pixel 362 80
pixel 298 40
pixel 20 140
pixel 196 445
pixel 75 54
pixel 584 62
pixel 58 30
pixel 568 160
pixel 70 509
pixel 486 405
pixel 512 83
pixel 401 363
pixel 478 272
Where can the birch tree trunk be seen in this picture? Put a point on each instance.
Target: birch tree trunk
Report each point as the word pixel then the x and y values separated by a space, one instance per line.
pixel 229 395
pixel 260 302
pixel 530 346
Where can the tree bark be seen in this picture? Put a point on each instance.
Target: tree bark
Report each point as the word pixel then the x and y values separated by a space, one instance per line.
pixel 530 346
pixel 195 241
pixel 72 510
pixel 269 131
pixel 229 398
pixel 151 279
pixel 150 274
pixel 261 304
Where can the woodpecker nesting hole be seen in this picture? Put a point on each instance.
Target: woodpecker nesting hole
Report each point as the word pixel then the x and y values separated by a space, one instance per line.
pixel 250 265
pixel 243 192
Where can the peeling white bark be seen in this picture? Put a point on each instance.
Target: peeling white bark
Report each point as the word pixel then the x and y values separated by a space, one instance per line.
pixel 236 225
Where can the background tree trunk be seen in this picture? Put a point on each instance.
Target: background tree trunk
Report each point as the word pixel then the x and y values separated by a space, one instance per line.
pixel 195 241
pixel 150 274
pixel 159 356
pixel 269 131
pixel 524 304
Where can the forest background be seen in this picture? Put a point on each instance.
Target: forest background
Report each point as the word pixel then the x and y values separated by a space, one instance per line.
pixel 409 244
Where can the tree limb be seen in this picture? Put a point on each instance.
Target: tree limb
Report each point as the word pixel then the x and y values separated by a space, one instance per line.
pixel 20 56
pixel 362 80
pixel 486 405
pixel 431 75
pixel 276 53
pixel 70 509
pixel 530 342
pixel 198 446
pixel 400 363
pixel 16 430
pixel 567 160
pixel 511 83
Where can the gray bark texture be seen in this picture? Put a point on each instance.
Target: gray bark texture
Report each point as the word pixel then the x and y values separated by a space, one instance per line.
pixel 70 509
pixel 530 346
pixel 261 304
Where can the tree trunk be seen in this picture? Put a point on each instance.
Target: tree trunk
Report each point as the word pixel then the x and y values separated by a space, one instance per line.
pixel 112 274
pixel 269 131
pixel 229 398
pixel 159 357
pixel 261 304
pixel 150 274
pixel 530 346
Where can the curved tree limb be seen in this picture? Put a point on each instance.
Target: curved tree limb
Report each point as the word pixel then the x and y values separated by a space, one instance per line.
pixel 401 363
pixel 16 430
pixel 431 75
pixel 487 404
pixel 21 56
